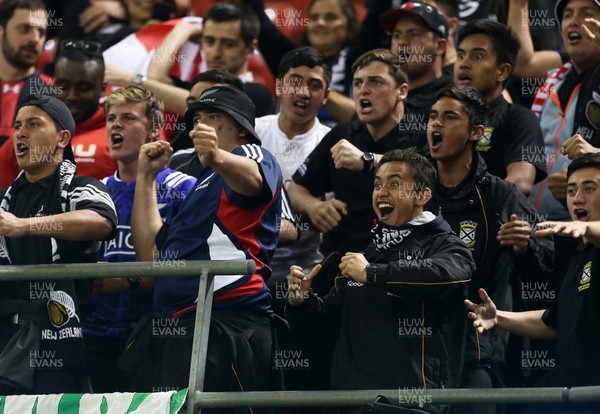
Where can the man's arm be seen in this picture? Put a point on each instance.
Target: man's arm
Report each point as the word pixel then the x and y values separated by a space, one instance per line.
pixel 172 96
pixel 288 229
pixel 521 174
pixel 577 146
pixel 443 270
pixel 530 324
pixel 97 15
pixel 557 183
pixel 242 174
pixel 529 64
pixel 340 106
pixel 313 318
pixel 80 225
pixel 145 217
pixel 324 215
pixel 164 56
pixel 590 231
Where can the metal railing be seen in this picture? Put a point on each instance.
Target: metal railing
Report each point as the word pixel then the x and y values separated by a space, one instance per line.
pixel 205 268
pixel 576 395
pixel 197 399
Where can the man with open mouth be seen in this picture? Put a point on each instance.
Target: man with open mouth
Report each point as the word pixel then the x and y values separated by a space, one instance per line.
pixel 47 215
pixel 573 319
pixel 489 214
pixel 391 312
pixel 23 27
pixel 344 161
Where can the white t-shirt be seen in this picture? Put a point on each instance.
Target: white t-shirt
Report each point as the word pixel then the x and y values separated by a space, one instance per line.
pixel 291 153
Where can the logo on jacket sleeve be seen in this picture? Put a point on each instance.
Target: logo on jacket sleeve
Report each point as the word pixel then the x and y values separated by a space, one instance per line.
pixel 61 308
pixel 485 142
pixel 586 277
pixel 592 110
pixel 467 233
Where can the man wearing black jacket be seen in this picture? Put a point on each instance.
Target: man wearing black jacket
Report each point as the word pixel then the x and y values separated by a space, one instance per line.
pixel 489 214
pixel 392 305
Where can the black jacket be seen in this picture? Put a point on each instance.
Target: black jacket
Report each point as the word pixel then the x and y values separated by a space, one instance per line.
pixel 395 333
pixel 475 209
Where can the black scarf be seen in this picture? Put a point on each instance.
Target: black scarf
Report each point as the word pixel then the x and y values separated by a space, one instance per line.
pixel 51 334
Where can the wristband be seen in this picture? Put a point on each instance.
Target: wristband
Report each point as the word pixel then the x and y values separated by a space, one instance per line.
pixel 371 270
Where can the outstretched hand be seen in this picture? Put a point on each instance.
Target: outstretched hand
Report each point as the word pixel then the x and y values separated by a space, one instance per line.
pixel 484 315
pixel 299 284
pixel 573 229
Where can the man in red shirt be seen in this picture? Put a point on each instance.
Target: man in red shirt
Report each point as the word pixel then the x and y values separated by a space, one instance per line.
pixel 23 26
pixel 78 82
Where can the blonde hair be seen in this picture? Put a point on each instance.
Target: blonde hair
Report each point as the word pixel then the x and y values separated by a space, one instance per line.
pixel 153 109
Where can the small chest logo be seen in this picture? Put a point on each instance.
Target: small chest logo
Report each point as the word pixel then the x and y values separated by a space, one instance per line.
pixel 204 183
pixel 467 232
pixel 586 277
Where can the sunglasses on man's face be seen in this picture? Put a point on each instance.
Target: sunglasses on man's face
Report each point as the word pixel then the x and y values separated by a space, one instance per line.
pixel 90 48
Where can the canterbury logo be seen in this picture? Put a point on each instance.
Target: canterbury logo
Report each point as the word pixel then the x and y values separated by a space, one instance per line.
pixel 208 93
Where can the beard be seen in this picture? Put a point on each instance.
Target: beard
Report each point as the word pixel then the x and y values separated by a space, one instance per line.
pixel 15 57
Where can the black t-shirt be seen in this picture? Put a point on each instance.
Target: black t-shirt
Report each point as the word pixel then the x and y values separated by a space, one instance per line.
pixel 474 9
pixel 420 100
pixel 512 134
pixel 319 176
pixel 576 317
pixel 418 106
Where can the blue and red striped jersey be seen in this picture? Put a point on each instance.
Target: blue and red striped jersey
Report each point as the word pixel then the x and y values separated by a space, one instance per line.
pixel 216 223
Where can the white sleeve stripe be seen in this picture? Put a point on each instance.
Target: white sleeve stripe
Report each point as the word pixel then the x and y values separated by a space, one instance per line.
pixel 254 156
pixel 91 190
pixel 259 152
pixel 253 151
pixel 89 193
pixel 174 179
pixel 181 180
pixel 286 212
pixel 89 196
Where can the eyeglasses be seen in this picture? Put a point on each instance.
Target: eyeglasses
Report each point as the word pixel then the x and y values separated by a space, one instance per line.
pixel 89 48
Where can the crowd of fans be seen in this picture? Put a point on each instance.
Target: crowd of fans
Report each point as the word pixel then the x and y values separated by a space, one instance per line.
pixel 418 190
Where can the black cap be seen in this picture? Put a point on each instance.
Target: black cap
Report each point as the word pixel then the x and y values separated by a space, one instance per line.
pixel 59 112
pixel 231 101
pixel 425 12
pixel 559 9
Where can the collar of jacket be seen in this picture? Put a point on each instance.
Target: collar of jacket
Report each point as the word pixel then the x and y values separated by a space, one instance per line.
pixel 477 175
